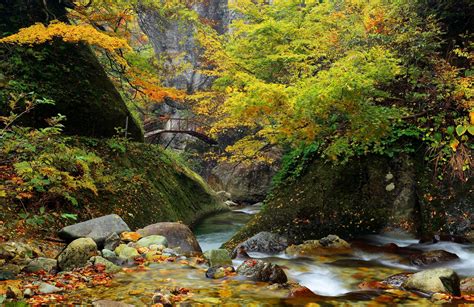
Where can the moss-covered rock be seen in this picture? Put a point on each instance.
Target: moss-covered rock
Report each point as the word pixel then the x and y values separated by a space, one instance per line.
pixel 149 186
pixel 69 74
pixel 366 195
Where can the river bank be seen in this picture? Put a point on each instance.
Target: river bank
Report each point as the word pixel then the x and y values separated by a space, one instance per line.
pixel 354 276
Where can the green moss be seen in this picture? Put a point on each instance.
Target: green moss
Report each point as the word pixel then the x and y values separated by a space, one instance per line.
pixel 149 186
pixel 347 200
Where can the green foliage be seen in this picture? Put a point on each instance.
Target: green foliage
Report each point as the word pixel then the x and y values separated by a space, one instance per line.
pixel 355 77
pixel 41 166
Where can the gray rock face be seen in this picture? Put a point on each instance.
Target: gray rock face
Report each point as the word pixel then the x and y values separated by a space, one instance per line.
pixel 97 229
pixel 436 280
pixel 178 236
pixel 246 183
pixel 175 42
pixel 263 242
pixel 38 264
pixel 259 270
pixel 77 253
pixel 433 257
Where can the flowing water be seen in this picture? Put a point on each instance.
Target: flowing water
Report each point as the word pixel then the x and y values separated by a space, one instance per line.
pixel 334 278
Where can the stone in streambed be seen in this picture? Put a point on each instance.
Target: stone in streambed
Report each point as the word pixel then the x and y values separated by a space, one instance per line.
pixel 126 252
pixel 17 253
pixel 329 245
pixel 152 240
pixel 436 280
pixel 467 285
pixel 218 272
pixel 97 229
pixel 77 253
pixel 112 241
pixel 177 235
pixel 130 236
pixel 41 264
pixel 109 266
pixel 259 270
pixel 109 303
pixel 263 242
pixel 217 257
pixel 397 280
pixel 432 257
pixel 45 288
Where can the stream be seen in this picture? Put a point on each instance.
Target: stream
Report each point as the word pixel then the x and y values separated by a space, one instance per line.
pixel 334 278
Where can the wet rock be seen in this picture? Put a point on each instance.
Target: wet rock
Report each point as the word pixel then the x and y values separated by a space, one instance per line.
pixel 432 257
pixel 41 264
pixel 77 253
pixel 333 241
pixel 445 238
pixel 130 236
pixel 241 253
pixel 126 252
pixel 467 285
pixel 217 257
pixel 329 245
pixel 28 292
pixel 224 196
pixel 108 254
pixel 230 203
pixel 109 303
pixel 258 270
pixel 97 229
pixel 112 241
pixel 178 236
pixel 109 266
pixel 263 242
pixel 218 272
pixel 396 280
pixel 301 292
pixel 9 271
pixel 436 280
pixel 163 298
pixel 45 288
pixel 152 240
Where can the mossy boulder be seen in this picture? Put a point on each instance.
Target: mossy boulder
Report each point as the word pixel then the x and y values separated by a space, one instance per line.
pixel 77 253
pixel 366 195
pixel 69 74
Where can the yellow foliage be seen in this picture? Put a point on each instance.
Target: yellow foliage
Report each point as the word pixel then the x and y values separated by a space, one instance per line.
pixel 40 34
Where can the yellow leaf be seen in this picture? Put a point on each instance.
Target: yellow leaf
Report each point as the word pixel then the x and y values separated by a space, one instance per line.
pixel 454 144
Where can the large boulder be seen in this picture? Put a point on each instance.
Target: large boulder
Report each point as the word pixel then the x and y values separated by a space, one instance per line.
pixel 263 242
pixel 366 195
pixel 218 257
pixel 432 257
pixel 77 253
pixel 86 96
pixel 178 236
pixel 259 270
pixel 97 229
pixel 440 280
pixel 246 183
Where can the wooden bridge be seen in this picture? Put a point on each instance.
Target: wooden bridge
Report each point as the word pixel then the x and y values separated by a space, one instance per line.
pixel 184 126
